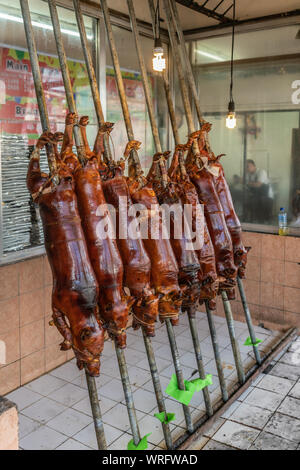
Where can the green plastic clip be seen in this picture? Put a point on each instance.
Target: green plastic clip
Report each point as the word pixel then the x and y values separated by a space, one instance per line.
pixel 248 342
pixel 191 386
pixel 165 417
pixel 142 445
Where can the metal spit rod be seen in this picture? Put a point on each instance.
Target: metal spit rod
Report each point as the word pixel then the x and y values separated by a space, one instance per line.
pixel 96 411
pixel 52 165
pixel 199 361
pixel 129 128
pixel 91 74
pixel 128 396
pixel 186 61
pixel 157 388
pixel 249 320
pixel 36 73
pixel 144 76
pixel 166 83
pixel 184 91
pixel 217 355
pixel 193 88
pixel 179 65
pixel 66 78
pixel 192 323
pixel 118 75
pixel 234 342
pixel 193 327
pixel 81 151
pixel 178 371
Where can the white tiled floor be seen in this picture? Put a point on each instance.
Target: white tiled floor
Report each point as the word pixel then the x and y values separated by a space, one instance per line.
pixel 55 412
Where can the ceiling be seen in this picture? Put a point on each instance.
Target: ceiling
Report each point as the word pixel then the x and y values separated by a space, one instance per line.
pixel 276 42
pixel 191 19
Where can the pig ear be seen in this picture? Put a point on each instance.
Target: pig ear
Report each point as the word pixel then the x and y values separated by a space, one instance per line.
pixel 248 248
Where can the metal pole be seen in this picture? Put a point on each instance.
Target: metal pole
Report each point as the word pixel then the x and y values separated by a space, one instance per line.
pixel 111 41
pixel 249 320
pixel 130 134
pixel 66 78
pixel 181 77
pixel 52 166
pixel 157 388
pixel 178 371
pixel 234 343
pixel 144 76
pixel 158 149
pixel 191 81
pixel 91 73
pixel 199 360
pixel 167 87
pixel 215 344
pixel 186 61
pixel 37 80
pixel 98 423
pixel 191 128
pixel 128 395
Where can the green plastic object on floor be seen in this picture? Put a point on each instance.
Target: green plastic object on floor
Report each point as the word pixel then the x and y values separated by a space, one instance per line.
pixel 142 445
pixel 191 386
pixel 165 417
pixel 248 342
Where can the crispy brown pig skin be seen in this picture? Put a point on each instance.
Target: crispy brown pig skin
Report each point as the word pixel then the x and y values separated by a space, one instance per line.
pixel 103 252
pixel 214 214
pixel 187 260
pixel 136 262
pixel 164 268
pixel 232 221
pixel 75 288
pixel 207 275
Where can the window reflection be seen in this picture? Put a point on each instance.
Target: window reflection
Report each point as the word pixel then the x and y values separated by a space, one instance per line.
pixel 19 116
pixel 262 162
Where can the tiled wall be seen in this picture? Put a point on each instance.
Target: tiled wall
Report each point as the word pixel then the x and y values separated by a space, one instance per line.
pixel 272 287
pixel 273 281
pixel 25 310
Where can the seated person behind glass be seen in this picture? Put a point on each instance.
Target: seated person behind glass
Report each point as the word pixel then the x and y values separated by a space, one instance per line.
pixel 260 197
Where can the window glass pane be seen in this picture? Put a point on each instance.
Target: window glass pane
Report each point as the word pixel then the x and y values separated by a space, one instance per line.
pixel 135 96
pixel 19 117
pixel 267 99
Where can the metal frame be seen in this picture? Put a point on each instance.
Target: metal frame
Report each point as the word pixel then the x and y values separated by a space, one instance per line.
pixel 192 323
pixel 147 340
pixel 263 21
pixel 241 27
pixel 211 13
pixel 122 21
pixel 245 379
pixel 91 384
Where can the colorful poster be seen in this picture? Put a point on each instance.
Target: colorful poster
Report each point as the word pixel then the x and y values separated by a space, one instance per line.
pixel 19 113
pixel 18 106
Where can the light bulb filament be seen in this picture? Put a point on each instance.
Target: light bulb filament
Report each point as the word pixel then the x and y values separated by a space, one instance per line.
pixel 231 120
pixel 158 61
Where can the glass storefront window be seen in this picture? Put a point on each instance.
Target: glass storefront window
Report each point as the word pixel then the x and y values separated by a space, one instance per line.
pixel 19 117
pixel 135 97
pixel 266 73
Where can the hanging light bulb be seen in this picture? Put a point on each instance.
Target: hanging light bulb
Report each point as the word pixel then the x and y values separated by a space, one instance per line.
pixel 158 61
pixel 230 118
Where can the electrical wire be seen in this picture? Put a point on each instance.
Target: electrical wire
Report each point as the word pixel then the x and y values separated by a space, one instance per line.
pixel 232 50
